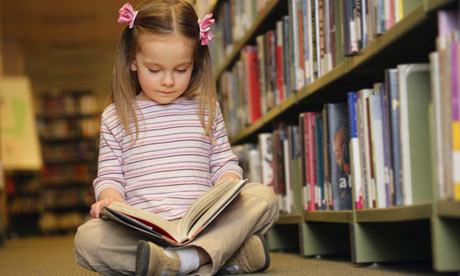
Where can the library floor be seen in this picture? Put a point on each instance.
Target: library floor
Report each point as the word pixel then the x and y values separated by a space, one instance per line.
pixel 53 256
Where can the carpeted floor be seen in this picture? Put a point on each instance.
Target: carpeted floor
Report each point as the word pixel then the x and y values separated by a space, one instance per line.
pixel 53 256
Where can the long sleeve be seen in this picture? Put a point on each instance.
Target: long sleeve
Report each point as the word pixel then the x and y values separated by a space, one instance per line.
pixel 222 159
pixel 110 165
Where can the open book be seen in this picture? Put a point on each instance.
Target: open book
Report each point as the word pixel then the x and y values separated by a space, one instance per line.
pixel 202 211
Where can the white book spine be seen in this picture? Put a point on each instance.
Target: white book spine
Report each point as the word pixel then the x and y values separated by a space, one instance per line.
pixel 377 139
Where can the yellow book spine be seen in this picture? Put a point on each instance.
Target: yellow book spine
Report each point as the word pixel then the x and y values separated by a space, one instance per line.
pixel 456 158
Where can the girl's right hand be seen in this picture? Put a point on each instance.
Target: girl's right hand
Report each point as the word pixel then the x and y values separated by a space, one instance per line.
pixel 97 208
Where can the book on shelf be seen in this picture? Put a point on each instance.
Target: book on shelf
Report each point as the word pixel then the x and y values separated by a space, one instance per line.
pixel 391 80
pixel 266 159
pixel 339 163
pixel 415 97
pixel 355 152
pixel 198 216
pixel 320 180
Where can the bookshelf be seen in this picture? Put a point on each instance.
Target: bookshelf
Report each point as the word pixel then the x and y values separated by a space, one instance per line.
pixel 424 230
pixel 68 123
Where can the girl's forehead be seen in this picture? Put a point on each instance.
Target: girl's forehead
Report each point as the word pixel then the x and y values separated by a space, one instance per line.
pixel 168 38
pixel 165 49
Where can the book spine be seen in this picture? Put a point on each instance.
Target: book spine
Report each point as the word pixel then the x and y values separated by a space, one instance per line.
pixel 309 148
pixel 320 163
pixel 355 152
pixel 377 139
pixel 389 187
pixel 279 63
pixel 306 39
pixel 393 107
pixel 286 57
pixel 455 57
pixel 254 87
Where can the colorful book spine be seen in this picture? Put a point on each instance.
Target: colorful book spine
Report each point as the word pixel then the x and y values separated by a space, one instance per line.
pixel 455 59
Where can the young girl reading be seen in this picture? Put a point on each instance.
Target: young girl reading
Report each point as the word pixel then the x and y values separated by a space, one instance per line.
pixel 163 143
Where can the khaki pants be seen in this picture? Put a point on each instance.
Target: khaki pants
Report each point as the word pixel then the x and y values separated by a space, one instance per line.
pixel 110 248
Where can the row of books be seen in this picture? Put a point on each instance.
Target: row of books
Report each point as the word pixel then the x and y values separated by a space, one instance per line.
pixel 234 19
pixel 65 128
pixel 305 44
pixel 83 150
pixel 68 174
pixel 380 142
pixel 66 103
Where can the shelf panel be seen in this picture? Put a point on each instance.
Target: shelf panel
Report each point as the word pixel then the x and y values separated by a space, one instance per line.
pixel 290 219
pixel 266 119
pixel 329 216
pixel 434 5
pixel 250 34
pixel 448 208
pixel 397 213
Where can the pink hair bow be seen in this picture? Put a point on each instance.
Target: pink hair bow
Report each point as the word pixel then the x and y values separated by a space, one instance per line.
pixel 205 29
pixel 127 15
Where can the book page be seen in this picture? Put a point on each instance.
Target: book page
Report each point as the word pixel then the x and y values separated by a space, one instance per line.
pixel 146 216
pixel 198 218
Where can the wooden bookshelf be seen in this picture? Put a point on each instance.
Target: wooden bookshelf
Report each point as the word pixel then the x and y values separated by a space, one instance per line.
pixel 421 231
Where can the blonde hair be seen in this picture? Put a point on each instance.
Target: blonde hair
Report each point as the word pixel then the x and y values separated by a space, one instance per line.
pixel 162 17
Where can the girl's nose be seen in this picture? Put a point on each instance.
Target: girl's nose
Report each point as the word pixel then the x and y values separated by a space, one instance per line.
pixel 167 80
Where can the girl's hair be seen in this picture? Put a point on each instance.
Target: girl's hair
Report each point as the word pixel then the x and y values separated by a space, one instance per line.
pixel 162 17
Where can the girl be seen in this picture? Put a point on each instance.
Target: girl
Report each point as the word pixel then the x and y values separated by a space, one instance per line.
pixel 163 144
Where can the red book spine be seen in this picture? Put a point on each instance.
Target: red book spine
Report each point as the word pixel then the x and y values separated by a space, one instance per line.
pixel 254 87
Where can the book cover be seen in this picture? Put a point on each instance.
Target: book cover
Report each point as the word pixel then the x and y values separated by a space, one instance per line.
pixel 199 215
pixel 437 122
pixel 415 97
pixel 339 155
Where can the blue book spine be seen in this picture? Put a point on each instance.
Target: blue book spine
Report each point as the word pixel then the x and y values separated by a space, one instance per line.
pixel 391 80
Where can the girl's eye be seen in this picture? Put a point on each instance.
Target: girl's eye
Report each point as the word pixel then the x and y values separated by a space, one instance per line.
pixel 154 70
pixel 181 70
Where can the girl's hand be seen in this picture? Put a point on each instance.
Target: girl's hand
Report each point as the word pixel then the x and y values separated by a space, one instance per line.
pixel 228 176
pixel 97 208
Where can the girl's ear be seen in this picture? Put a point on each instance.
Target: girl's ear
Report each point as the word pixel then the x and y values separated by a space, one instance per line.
pixel 133 66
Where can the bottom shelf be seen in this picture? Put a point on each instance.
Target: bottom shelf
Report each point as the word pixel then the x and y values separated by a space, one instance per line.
pixel 410 235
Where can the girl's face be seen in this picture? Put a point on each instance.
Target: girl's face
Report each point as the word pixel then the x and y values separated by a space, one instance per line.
pixel 164 66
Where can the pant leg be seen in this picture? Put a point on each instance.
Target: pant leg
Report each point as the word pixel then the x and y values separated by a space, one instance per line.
pixel 254 210
pixel 106 247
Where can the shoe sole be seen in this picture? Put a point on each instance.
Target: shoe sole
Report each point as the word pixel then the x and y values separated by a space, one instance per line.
pixel 267 255
pixel 142 258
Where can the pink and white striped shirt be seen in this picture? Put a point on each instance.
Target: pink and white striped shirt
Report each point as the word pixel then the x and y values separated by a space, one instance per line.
pixel 172 163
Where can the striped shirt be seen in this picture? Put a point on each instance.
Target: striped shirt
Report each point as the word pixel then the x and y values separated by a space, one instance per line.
pixel 172 163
